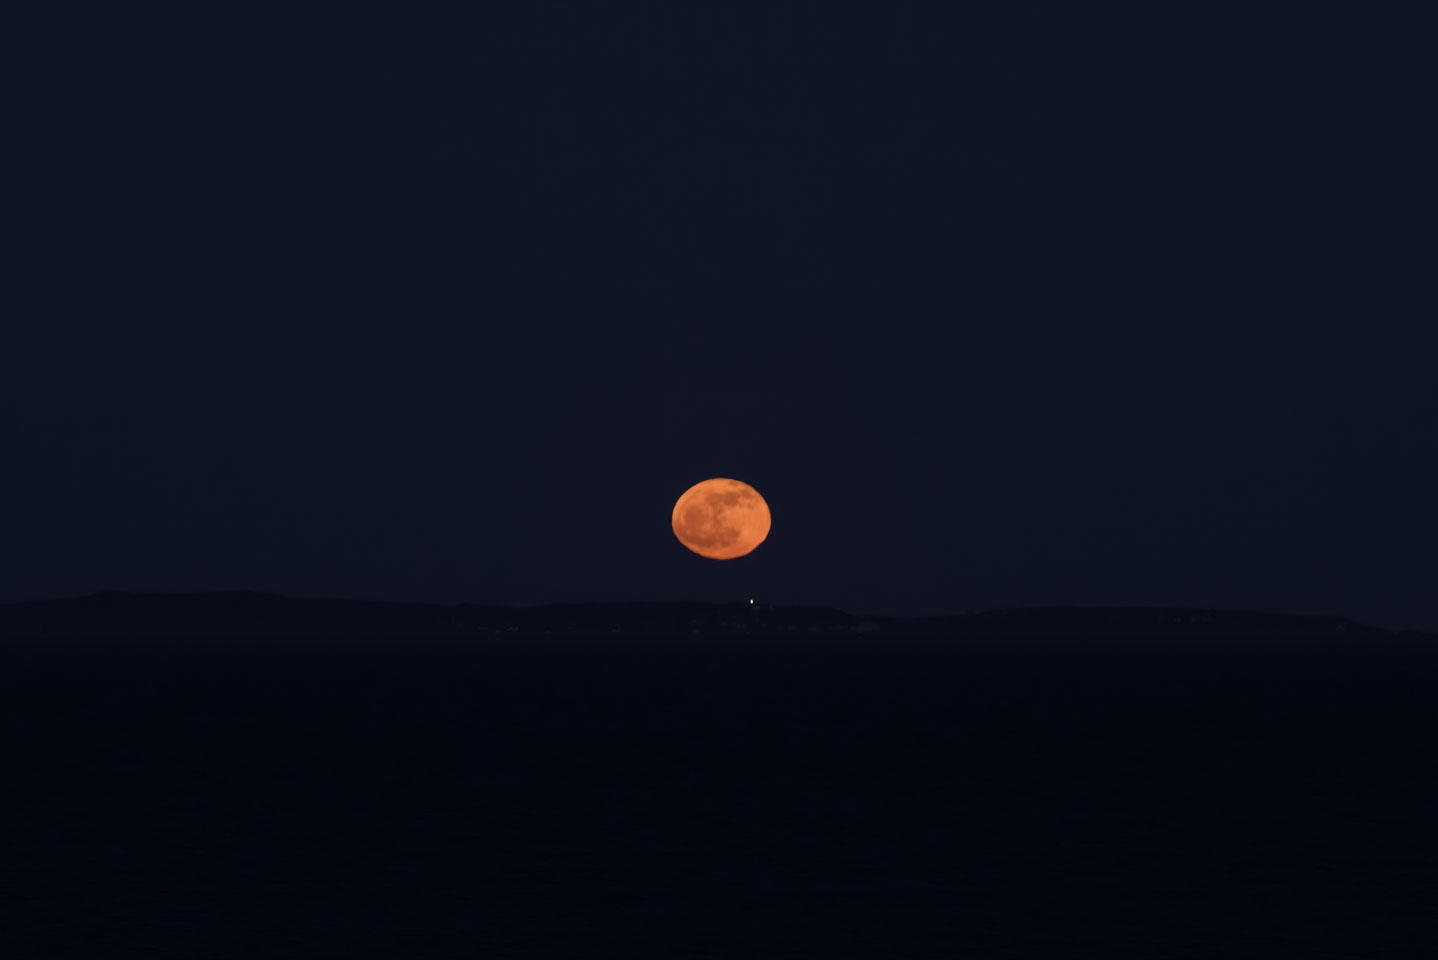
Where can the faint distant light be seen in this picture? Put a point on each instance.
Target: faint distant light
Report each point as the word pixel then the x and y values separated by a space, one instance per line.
pixel 751 601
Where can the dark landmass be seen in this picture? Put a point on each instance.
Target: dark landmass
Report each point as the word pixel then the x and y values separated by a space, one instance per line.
pixel 258 614
pixel 338 779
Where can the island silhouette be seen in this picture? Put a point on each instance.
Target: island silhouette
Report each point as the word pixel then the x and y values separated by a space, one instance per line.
pixel 116 613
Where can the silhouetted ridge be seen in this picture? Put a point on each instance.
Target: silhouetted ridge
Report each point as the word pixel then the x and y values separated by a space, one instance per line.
pixel 259 614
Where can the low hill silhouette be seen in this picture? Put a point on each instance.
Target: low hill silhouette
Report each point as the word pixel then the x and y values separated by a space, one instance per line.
pixel 119 614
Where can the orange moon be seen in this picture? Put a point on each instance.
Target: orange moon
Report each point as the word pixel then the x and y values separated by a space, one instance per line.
pixel 721 518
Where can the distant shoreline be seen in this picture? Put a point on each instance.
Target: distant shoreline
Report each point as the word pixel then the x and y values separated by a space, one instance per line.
pixel 147 614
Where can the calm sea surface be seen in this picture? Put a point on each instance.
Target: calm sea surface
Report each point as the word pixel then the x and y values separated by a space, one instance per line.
pixel 703 798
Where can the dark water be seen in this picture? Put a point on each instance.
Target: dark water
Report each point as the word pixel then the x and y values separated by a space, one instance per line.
pixel 707 798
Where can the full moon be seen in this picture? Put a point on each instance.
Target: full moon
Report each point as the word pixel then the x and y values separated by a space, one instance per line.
pixel 721 518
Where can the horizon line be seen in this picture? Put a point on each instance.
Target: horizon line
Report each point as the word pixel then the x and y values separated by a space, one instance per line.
pixel 760 604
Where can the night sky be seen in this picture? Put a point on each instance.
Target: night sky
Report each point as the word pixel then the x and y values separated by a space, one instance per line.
pixel 1011 304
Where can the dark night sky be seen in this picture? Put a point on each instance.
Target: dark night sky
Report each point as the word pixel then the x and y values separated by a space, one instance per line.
pixel 1021 304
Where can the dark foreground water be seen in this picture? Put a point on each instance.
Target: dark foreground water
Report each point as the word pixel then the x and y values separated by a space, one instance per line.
pixel 718 798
